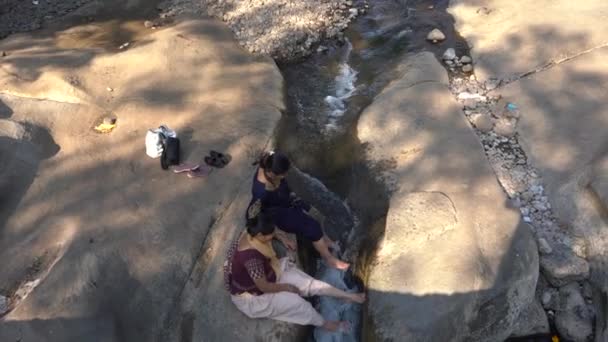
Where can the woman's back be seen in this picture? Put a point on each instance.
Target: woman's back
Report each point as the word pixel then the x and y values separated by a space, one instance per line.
pixel 278 197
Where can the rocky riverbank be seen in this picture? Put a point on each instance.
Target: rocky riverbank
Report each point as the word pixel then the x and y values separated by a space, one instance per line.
pixel 521 101
pixel 447 214
pixel 22 16
pixel 283 29
pixel 542 123
pixel 562 255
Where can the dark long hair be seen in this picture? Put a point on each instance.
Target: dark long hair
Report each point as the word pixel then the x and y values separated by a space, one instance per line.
pixel 260 224
pixel 276 162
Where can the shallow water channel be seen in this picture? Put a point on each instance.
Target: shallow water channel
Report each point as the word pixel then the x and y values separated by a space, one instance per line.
pixel 326 94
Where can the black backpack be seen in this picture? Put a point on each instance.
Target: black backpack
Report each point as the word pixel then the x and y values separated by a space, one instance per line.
pixel 170 155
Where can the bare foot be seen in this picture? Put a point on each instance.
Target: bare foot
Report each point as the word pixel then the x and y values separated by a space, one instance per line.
pixel 336 326
pixel 337 263
pixel 357 297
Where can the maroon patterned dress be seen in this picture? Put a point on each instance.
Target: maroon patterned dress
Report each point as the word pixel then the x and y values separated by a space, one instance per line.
pixel 242 267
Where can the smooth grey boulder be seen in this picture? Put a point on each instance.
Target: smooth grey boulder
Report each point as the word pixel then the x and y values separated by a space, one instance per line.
pixel 455 262
pixel 573 319
pixel 532 320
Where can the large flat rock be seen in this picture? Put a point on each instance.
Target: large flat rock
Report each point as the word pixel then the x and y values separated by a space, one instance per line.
pixel 562 129
pixel 455 262
pixel 107 237
pixel 205 311
pixel 509 38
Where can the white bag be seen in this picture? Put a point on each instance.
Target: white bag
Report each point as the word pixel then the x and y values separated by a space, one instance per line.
pixel 154 145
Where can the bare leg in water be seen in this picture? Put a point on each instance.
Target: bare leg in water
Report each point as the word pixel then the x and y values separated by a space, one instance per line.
pixel 353 297
pixel 336 325
pixel 323 248
pixel 358 297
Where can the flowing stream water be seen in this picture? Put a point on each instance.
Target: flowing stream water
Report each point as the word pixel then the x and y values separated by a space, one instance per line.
pixel 326 93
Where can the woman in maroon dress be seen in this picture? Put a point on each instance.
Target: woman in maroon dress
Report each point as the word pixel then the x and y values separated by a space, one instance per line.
pixel 262 286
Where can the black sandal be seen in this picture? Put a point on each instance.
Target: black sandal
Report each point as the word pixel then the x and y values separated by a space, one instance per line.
pixel 219 159
pixel 213 161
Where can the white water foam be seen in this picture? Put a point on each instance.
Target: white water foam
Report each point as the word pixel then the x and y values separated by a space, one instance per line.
pixel 344 88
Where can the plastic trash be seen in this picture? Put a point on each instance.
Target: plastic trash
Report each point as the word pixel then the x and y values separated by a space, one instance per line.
pixel 106 126
pixel 511 110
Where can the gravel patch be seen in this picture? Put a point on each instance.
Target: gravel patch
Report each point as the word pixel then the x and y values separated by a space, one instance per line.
pixel 27 15
pixel 562 255
pixel 283 29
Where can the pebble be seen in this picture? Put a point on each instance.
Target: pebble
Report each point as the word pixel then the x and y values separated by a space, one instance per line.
pixel 435 36
pixel 516 202
pixel 540 206
pixel 537 189
pixel 468 95
pixel 505 127
pixel 470 103
pixel 467 68
pixel 148 24
pixel 544 247
pixel 466 60
pixel 482 122
pixel 109 89
pixel 562 266
pixel 492 84
pixel 449 54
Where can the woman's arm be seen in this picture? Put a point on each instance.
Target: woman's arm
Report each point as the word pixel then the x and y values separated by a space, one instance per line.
pixel 268 287
pixel 286 240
